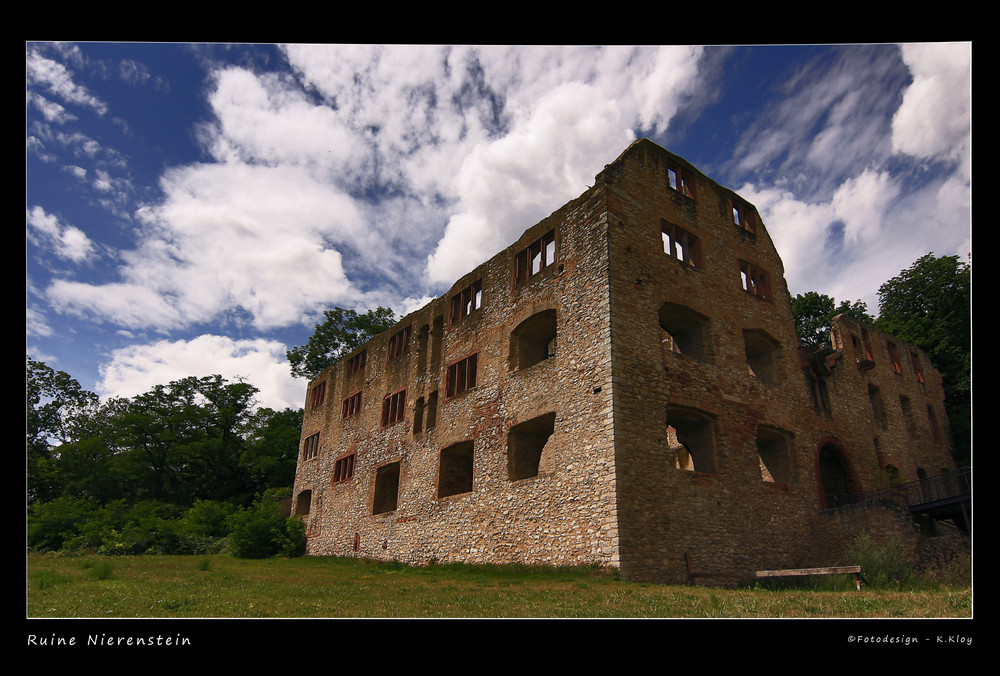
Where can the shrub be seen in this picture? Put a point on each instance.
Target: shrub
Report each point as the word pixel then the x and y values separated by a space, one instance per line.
pixel 262 530
pixel 883 564
pixel 52 524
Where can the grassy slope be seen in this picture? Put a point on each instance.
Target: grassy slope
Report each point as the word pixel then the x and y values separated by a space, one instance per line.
pixel 317 587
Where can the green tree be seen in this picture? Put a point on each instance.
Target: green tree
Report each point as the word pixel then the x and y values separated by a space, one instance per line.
pixel 929 305
pixel 340 332
pixel 814 313
pixel 272 447
pixel 184 440
pixel 56 405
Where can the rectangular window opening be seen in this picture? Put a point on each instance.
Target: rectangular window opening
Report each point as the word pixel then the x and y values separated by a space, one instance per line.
pixel 310 449
pixel 535 258
pixel 393 408
pixel 318 395
pixel 356 363
pixel 462 375
pixel 352 404
pixel 467 301
pixel 681 244
pixel 399 343
pixel 343 469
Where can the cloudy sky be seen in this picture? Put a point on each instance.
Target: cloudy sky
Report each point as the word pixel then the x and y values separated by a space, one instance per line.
pixel 193 209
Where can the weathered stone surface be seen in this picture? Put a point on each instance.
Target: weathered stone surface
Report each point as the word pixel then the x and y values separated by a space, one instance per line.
pixel 631 407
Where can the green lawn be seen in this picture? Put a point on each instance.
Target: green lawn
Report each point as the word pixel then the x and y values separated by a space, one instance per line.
pixel 319 587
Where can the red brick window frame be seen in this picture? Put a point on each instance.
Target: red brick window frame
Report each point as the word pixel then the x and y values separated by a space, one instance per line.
pixel 399 343
pixel 680 244
pixel 743 215
pixel 536 257
pixel 393 408
pixel 462 375
pixel 356 363
pixel 467 301
pixel 310 448
pixel 755 281
pixel 318 395
pixel 918 369
pixel 897 366
pixel 352 404
pixel 678 180
pixel 343 469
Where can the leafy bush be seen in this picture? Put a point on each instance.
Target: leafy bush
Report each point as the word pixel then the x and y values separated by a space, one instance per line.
pixel 262 530
pixel 52 524
pixel 883 564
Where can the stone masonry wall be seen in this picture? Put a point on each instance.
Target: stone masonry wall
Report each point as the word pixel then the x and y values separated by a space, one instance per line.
pixel 639 401
pixel 563 512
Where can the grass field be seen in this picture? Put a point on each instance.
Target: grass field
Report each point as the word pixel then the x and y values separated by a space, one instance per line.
pixel 319 587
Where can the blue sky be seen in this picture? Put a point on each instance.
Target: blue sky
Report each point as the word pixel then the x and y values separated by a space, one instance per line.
pixel 193 209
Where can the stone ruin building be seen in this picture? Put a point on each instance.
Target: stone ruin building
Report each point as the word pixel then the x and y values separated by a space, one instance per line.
pixel 622 386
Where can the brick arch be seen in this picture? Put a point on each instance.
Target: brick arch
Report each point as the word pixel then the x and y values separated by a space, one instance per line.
pixel 836 477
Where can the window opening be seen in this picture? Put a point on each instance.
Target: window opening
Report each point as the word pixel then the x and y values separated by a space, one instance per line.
pixel 755 281
pixel 866 339
pixel 533 340
pixel 742 215
pixel 907 408
pixel 455 472
pixel 356 363
pixel 418 416
pixel 303 503
pixel 677 180
pixel 399 343
pixel 432 400
pixel 525 446
pixel 894 357
pixel 437 337
pixel 318 395
pixel 774 447
pixel 422 341
pixel 343 469
pixel 352 404
pixel 918 370
pixel 393 408
pixel 386 497
pixel 691 439
pixel 878 408
pixel 681 244
pixel 467 301
pixel 762 355
pixel 462 375
pixel 932 419
pixel 310 449
pixel 835 477
pixel 684 332
pixel 535 258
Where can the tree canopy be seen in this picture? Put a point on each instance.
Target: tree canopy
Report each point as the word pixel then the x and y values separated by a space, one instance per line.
pixel 194 438
pixel 814 313
pixel 340 332
pixel 929 305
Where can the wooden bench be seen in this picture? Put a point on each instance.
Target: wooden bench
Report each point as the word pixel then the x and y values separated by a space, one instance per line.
pixel 834 570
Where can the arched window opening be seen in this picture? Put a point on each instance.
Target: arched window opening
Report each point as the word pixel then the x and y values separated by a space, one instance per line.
pixel 684 332
pixel 691 440
pixel 835 477
pixel 774 446
pixel 303 503
pixel 762 355
pixel 533 340
pixel 526 444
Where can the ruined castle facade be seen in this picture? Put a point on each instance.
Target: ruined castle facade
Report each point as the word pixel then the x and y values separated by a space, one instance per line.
pixel 622 386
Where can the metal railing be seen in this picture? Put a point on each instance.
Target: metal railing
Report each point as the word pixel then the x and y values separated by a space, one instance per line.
pixel 943 487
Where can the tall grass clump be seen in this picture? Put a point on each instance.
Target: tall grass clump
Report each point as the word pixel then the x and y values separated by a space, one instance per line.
pixel 884 564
